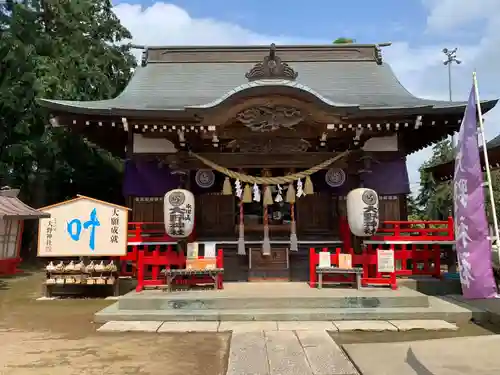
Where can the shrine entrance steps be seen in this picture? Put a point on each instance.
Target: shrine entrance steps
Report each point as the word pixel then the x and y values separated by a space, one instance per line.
pixel 284 302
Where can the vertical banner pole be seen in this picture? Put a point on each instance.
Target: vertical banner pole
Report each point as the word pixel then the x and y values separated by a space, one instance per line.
pixel 487 166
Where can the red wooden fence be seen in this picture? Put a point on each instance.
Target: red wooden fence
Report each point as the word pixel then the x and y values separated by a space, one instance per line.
pixel 365 260
pixel 417 247
pixel 420 243
pixel 416 231
pixel 153 257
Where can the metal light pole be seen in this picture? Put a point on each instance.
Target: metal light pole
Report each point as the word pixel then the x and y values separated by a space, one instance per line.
pixel 451 57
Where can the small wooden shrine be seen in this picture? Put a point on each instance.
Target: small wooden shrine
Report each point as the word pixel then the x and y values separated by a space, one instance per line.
pixel 13 212
pixel 269 140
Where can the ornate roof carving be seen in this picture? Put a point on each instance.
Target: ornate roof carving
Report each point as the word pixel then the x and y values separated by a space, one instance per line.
pixel 271 68
pixel 272 145
pixel 266 118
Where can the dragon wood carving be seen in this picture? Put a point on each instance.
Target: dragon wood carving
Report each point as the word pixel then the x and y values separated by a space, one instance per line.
pixel 268 146
pixel 270 117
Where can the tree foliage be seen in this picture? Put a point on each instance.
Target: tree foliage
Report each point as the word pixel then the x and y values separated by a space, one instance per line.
pixel 435 200
pixel 58 49
pixel 343 40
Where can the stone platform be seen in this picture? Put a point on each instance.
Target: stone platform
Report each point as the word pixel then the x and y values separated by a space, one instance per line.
pixel 448 356
pixel 283 302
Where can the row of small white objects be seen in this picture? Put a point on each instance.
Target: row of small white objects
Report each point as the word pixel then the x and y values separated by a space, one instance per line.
pixel 256 191
pixel 91 267
pixel 77 279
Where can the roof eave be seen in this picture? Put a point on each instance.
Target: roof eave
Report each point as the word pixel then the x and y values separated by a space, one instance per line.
pixel 42 215
pixel 66 107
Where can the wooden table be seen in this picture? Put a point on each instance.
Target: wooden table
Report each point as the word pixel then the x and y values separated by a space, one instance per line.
pixel 170 275
pixel 320 271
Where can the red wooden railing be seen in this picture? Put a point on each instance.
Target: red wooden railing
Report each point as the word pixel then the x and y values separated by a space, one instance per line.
pixel 417 247
pixel 365 260
pixel 140 236
pixel 156 259
pixel 416 231
pixel 421 245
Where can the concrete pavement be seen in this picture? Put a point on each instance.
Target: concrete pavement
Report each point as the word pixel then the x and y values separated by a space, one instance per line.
pixel 453 356
pixel 287 353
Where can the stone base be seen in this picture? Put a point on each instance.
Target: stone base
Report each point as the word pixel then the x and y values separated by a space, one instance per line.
pixel 285 302
pixel 265 326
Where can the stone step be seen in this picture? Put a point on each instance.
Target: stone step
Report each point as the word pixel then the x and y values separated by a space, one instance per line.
pixel 438 310
pixel 171 302
pixel 298 326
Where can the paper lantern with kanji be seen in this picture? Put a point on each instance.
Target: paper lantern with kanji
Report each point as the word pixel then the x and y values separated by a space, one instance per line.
pixel 363 212
pixel 178 213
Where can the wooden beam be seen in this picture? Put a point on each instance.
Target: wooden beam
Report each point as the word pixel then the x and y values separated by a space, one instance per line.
pixel 246 160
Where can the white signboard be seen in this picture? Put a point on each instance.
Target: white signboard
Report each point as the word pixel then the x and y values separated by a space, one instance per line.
pixel 324 259
pixel 385 260
pixel 83 227
pixel 210 250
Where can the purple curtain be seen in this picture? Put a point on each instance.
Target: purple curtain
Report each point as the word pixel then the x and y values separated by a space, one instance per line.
pixel 386 178
pixel 150 179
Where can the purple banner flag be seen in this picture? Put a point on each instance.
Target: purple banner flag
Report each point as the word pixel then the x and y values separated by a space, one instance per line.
pixel 471 226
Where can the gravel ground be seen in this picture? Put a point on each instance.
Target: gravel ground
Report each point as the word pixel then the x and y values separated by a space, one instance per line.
pixel 59 338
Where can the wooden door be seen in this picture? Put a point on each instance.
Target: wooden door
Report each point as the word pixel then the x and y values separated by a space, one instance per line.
pixel 389 208
pixel 315 213
pixel 215 215
pixel 147 210
pixel 269 267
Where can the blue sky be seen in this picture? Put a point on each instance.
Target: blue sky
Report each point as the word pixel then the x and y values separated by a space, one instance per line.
pixel 419 29
pixel 324 19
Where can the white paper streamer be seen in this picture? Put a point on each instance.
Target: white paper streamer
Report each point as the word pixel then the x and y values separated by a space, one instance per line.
pixel 256 193
pixel 238 189
pixel 300 189
pixel 279 197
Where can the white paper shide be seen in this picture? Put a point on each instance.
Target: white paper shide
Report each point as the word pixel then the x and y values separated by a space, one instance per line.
pixel 179 213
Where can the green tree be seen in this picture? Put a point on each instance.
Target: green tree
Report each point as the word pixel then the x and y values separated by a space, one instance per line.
pixel 414 211
pixel 436 200
pixel 60 49
pixel 495 183
pixel 343 40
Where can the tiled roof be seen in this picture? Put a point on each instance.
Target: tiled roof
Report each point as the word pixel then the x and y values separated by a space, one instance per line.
pixel 12 208
pixel 176 85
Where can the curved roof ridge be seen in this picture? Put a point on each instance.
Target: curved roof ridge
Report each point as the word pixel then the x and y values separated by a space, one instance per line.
pixel 271 83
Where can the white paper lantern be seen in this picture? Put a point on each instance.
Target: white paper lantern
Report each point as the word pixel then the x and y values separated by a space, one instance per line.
pixel 363 212
pixel 178 211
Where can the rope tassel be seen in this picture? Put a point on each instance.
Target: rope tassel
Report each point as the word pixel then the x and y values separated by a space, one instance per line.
pixel 247 194
pixel 268 196
pixel 290 194
pixel 241 237
pixel 308 187
pixel 227 188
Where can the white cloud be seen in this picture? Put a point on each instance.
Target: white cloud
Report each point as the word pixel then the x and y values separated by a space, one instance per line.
pixel 420 68
pixel 167 24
